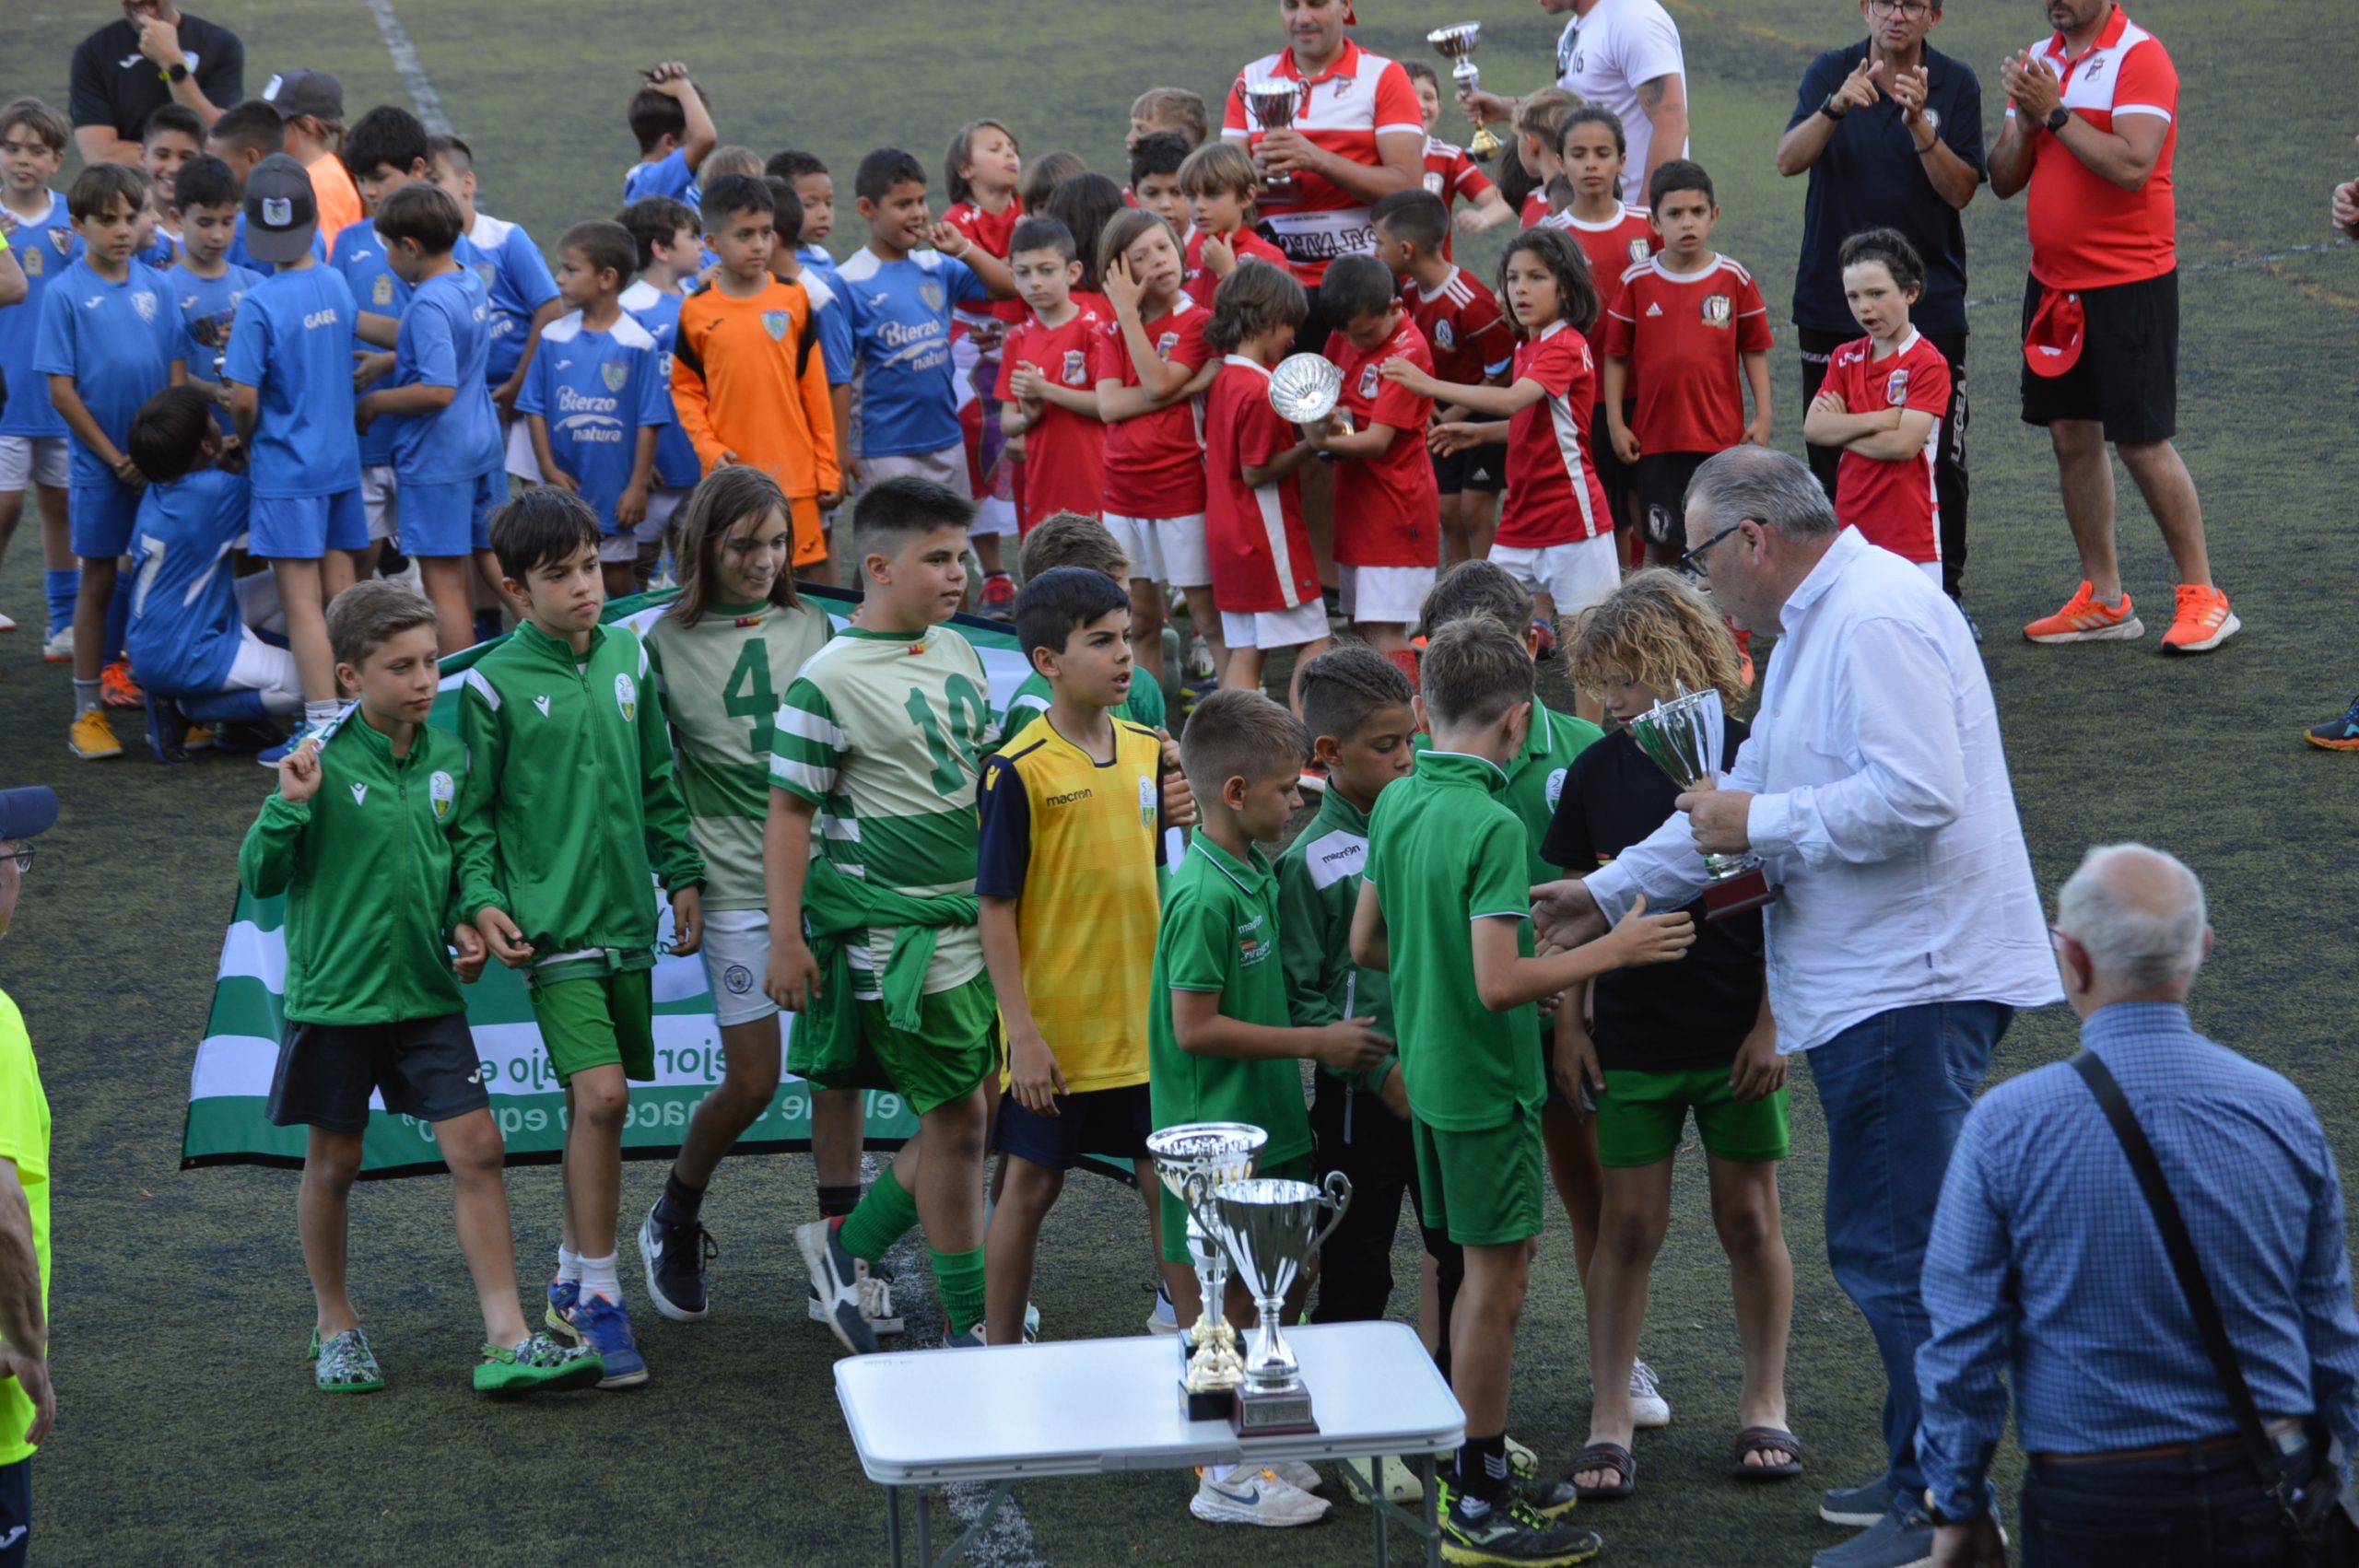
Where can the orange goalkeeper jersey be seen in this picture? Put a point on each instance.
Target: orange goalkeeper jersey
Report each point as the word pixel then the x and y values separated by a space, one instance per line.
pixel 747 378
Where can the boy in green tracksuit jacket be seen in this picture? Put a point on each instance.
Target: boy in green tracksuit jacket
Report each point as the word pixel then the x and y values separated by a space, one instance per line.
pixel 569 798
pixel 358 839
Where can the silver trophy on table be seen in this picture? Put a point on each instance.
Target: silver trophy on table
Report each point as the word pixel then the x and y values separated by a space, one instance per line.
pixel 1457 44
pixel 1193 1161
pixel 1273 105
pixel 1305 388
pixel 1271 1227
pixel 1683 736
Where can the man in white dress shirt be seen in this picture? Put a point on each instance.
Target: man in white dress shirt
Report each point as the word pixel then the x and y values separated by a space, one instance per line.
pixel 1907 929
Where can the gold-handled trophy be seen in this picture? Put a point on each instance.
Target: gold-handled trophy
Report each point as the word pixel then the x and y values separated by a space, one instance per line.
pixel 1193 1161
pixel 1683 737
pixel 1457 44
pixel 1273 106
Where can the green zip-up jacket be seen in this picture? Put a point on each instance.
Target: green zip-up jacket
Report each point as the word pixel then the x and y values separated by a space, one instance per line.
pixel 366 867
pixel 1318 886
pixel 571 796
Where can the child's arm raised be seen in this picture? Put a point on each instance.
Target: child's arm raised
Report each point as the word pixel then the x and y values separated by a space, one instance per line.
pixel 266 860
pixel 1161 383
pixel 982 263
pixel 1505 979
pixel 700 138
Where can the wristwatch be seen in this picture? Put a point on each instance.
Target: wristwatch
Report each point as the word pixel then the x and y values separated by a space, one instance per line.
pixel 1829 110
pixel 176 71
pixel 2057 117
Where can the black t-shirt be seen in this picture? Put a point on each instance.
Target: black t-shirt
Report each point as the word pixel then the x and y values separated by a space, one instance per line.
pixel 1870 177
pixel 1694 1012
pixel 115 85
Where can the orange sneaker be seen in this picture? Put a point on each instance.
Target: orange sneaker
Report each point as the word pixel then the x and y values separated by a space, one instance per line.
pixel 2204 621
pixel 2083 619
pixel 117 689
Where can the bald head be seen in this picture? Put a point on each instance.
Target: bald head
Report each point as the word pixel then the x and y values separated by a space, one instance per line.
pixel 2139 915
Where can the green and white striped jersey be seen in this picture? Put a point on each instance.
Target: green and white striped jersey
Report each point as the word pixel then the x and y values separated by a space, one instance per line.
pixel 723 680
pixel 885 734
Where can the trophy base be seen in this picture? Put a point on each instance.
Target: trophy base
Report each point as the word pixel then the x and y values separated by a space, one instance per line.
pixel 1272 1413
pixel 1207 1404
pixel 1749 889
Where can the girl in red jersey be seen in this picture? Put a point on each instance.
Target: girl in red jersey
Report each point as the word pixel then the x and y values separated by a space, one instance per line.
pixel 1555 536
pixel 1882 403
pixel 1592 148
pixel 981 171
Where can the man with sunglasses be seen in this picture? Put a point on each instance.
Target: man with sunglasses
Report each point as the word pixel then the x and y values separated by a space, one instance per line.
pixel 1889 133
pixel 1907 929
pixel 26 1403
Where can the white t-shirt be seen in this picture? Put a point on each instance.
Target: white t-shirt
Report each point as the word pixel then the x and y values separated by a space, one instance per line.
pixel 1605 56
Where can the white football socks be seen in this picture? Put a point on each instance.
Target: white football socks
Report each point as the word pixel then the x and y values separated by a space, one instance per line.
pixel 598 1279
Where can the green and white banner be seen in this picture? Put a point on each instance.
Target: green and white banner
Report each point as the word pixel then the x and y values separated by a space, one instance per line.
pixel 234 1062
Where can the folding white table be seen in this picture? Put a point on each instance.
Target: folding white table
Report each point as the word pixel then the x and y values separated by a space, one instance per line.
pixel 1086 1407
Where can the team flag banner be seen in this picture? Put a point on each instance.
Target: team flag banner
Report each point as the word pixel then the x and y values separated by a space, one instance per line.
pixel 230 1085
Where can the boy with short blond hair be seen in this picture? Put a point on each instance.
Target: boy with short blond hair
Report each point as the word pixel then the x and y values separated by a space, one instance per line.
pixel 1220 188
pixel 33 443
pixel 1168 109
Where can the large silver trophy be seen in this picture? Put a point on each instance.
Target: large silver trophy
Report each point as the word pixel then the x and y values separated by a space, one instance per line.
pixel 1193 1161
pixel 1682 736
pixel 1271 1228
pixel 1273 106
pixel 1305 388
pixel 1457 43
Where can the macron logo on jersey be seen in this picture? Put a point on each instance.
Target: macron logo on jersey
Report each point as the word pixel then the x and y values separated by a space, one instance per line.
pixel 543 704
pixel 359 793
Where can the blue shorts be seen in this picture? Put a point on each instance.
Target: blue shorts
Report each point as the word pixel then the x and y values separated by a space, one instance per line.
pixel 102 519
pixel 1110 1122
pixel 448 520
pixel 304 528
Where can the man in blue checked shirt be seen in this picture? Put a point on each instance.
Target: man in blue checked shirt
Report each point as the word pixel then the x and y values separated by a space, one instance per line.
pixel 2046 1266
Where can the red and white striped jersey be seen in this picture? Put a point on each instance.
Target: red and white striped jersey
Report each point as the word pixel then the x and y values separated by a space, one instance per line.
pixel 1353 101
pixel 1552 494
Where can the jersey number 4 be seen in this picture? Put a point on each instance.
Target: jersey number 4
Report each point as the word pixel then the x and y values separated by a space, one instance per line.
pixel 748 696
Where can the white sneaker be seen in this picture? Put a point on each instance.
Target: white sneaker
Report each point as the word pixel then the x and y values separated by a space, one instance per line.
pixel 1401 1482
pixel 1522 1461
pixel 1649 1408
pixel 59 648
pixel 1254 1497
pixel 1296 1474
pixel 1164 1319
pixel 6 625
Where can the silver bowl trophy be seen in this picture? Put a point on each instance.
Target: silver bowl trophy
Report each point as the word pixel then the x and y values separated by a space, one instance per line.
pixel 1271 1228
pixel 1682 737
pixel 1192 1160
pixel 1305 388
pixel 1272 105
pixel 1457 43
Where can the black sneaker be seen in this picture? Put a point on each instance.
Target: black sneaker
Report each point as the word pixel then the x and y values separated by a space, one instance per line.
pixel 247 735
pixel 166 729
pixel 675 1257
pixel 1507 1535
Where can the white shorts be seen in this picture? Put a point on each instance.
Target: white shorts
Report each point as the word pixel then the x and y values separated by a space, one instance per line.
pixel 42 459
pixel 377 500
pixel 663 504
pixel 1385 595
pixel 271 671
pixel 521 460
pixel 1164 549
pixel 1306 622
pixel 994 515
pixel 1576 576
pixel 259 604
pixel 947 466
pixel 736 954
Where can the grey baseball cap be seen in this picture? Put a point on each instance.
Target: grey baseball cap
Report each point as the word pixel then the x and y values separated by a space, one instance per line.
pixel 297 93
pixel 281 212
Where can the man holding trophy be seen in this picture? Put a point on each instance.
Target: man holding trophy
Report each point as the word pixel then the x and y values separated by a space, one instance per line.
pixel 1905 928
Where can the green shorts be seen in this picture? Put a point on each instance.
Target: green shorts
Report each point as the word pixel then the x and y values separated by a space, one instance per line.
pixel 1175 1218
pixel 953 1047
pixel 1640 1117
pixel 1482 1188
pixel 606 1021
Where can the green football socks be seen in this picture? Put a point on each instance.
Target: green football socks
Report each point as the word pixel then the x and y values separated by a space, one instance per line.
pixel 958 1280
pixel 884 1217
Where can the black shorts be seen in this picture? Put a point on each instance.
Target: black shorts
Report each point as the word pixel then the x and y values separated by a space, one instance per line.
pixel 1312 335
pixel 1662 495
pixel 425 1066
pixel 1482 469
pixel 15 1513
pixel 1614 476
pixel 2127 379
pixel 1111 1123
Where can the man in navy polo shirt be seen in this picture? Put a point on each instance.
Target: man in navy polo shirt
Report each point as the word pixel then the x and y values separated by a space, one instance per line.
pixel 1890 130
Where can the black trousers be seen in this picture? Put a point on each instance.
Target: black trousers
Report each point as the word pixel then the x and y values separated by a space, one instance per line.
pixel 1354 1132
pixel 2202 1511
pixel 1949 481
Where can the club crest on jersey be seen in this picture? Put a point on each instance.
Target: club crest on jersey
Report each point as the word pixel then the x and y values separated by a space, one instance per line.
pixel 484 272
pixel 1638 251
pixel 442 789
pixel 614 373
pixel 33 263
pixel 383 293
pixel 1077 367
pixel 1367 379
pixel 1433 181
pixel 1895 388
pixel 1146 802
pixel 143 302
pixel 1718 310
pixel 627 696
pixel 61 240
pixel 359 793
pixel 932 295
pixel 1445 336
pixel 1165 344
pixel 775 323
pixel 1555 788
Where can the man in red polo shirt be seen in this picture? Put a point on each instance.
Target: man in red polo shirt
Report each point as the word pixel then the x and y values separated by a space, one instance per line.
pixel 2091 122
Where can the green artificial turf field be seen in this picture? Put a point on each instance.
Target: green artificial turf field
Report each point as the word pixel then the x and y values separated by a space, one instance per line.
pixel 188 1429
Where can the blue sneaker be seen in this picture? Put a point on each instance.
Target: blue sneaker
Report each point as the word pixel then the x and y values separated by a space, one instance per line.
pixel 605 1327
pixel 565 1295
pixel 2337 735
pixel 1903 1538
pixel 1858 1507
pixel 271 756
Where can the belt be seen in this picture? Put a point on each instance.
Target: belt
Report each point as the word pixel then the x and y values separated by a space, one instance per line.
pixel 2164 1450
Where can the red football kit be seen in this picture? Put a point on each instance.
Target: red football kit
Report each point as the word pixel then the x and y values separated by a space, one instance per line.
pixel 1892 502
pixel 1387 507
pixel 1254 538
pixel 1682 334
pixel 1552 496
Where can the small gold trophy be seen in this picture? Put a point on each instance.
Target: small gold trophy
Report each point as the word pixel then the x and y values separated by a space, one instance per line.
pixel 1457 43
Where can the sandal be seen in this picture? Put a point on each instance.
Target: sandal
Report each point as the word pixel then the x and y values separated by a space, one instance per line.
pixel 1605 1456
pixel 346 1365
pixel 1765 1439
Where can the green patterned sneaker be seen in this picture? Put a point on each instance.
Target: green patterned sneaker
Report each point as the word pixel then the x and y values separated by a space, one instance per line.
pixel 539 1362
pixel 347 1364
